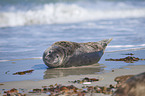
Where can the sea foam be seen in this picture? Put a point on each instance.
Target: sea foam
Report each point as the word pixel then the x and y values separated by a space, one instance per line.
pixel 116 48
pixel 64 13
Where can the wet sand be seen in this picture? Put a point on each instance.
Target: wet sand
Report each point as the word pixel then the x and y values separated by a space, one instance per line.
pixel 105 79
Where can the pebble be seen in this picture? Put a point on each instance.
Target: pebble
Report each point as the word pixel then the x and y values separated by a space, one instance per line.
pixel 86 83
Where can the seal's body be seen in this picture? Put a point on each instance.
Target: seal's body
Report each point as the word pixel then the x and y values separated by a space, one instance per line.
pixel 67 54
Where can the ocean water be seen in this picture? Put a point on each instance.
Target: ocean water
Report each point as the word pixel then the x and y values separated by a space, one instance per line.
pixel 28 27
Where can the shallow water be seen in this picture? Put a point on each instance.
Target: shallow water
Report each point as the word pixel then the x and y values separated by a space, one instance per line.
pixel 41 71
pixel 28 28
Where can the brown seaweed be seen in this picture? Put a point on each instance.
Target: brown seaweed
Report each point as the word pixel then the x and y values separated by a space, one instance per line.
pixel 128 59
pixel 86 79
pixel 58 89
pixel 1 84
pixel 128 54
pixel 23 72
pixel 13 92
pixel 71 90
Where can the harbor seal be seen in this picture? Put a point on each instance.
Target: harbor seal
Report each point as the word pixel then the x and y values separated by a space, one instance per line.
pixel 134 86
pixel 68 54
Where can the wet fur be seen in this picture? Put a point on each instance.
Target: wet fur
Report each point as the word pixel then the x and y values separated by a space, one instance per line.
pixel 77 54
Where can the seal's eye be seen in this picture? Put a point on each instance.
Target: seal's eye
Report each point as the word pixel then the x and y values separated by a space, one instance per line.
pixel 57 56
pixel 49 51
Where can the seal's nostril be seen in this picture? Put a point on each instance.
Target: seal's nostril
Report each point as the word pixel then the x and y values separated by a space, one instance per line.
pixel 46 57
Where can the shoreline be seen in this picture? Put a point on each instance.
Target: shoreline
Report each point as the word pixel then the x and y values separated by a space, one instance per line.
pixel 105 79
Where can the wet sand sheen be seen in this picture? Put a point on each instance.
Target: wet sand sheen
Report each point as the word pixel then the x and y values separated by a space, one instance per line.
pixel 106 79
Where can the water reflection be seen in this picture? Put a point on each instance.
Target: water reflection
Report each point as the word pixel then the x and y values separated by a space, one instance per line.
pixel 61 72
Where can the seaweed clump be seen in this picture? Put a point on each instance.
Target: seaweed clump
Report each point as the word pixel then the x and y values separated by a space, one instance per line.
pixel 128 59
pixel 62 90
pixel 86 79
pixel 71 90
pixel 23 72
pixel 128 54
pixel 13 92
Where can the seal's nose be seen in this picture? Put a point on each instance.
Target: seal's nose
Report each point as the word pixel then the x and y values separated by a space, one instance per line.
pixel 47 57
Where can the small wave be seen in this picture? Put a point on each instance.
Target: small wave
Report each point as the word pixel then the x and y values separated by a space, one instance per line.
pixel 4 60
pixel 126 46
pixel 64 13
pixel 18 50
pixel 129 49
pixel 21 59
pixel 116 48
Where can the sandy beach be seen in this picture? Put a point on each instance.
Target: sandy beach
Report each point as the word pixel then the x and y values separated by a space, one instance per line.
pixel 105 79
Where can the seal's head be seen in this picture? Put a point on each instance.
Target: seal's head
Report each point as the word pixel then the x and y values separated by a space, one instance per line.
pixel 53 56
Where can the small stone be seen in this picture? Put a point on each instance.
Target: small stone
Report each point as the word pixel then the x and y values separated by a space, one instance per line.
pixel 86 83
